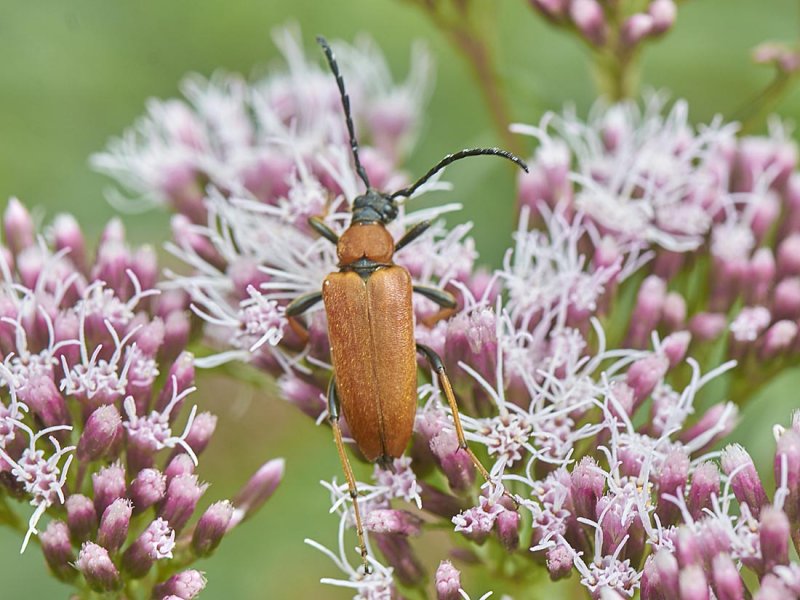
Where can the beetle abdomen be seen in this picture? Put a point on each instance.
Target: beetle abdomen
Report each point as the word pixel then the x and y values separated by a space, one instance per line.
pixel 371 332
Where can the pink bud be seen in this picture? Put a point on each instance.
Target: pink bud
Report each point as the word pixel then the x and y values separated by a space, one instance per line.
pixel 306 396
pixel 705 484
pixel 745 482
pixel 109 484
pixel 507 526
pixel 674 311
pixel 715 424
pixel 81 517
pixel 144 264
pixel 448 581
pixel 183 493
pixel 648 310
pixel 179 379
pixel 114 525
pixel 766 211
pixel 472 338
pixel 201 431
pixel 559 561
pixel 43 398
pixel 102 428
pixel 726 580
pixel 750 323
pixel 692 583
pixel 778 339
pixel 761 274
pixel 787 456
pixel 97 568
pixel 664 13
pixel 587 485
pixel 155 543
pixel 186 585
pixel 18 226
pixel 454 462
pixel 672 481
pixel 180 464
pixel 551 8
pixel 707 326
pixel 665 567
pixel 636 28
pixel 401 556
pixel 786 302
pixel 257 490
pixel 589 18
pixel 57 550
pixel 67 234
pixel 177 327
pixel 211 527
pixel 644 374
pixel 774 535
pixel 674 347
pixel 789 256
pixel 148 488
pixel 687 547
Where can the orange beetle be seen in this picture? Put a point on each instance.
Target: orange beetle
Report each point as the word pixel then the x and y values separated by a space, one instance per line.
pixel 371 321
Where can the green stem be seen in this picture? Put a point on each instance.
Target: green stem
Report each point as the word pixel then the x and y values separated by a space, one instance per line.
pixel 752 113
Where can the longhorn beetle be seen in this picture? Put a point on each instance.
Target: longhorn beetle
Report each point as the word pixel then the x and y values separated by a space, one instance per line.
pixel 371 323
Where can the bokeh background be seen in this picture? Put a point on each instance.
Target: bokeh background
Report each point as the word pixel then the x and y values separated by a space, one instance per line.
pixel 75 72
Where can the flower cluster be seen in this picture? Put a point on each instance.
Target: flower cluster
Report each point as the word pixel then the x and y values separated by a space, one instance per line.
pixel 597 22
pixel 642 241
pixel 94 428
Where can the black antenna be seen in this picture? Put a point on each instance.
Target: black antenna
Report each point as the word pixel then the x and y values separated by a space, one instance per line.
pixel 451 158
pixel 346 105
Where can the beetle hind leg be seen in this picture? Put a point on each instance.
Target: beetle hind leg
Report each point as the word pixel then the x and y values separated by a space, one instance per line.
pixel 444 382
pixel 444 299
pixel 333 418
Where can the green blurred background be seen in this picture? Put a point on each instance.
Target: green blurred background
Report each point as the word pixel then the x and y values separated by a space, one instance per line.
pixel 75 72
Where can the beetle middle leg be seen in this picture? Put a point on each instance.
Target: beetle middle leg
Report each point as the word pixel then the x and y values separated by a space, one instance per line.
pixel 444 299
pixel 333 418
pixel 321 228
pixel 444 382
pixel 296 308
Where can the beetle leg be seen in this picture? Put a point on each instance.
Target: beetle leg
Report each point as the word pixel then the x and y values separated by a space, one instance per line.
pixel 444 299
pixel 321 228
pixel 302 303
pixel 333 418
pixel 444 382
pixel 412 234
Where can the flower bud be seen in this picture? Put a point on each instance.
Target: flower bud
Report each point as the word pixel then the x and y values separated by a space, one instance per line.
pixel 438 502
pixel 114 525
pixel 212 527
pixel 636 28
pixel 692 583
pixel 705 484
pixel 761 275
pixel 18 226
pixel 745 482
pixel 587 484
pixel 387 520
pixel 507 525
pixel 716 423
pixel 644 374
pixel 788 258
pixel 454 462
pixel 179 378
pixel 725 578
pixel 101 429
pixel 148 488
pixel 201 431
pixel 786 299
pixel 308 397
pixel 43 398
pixel 448 581
pixel 180 464
pixel 96 566
pixel 186 585
pixel 472 338
pixel 787 456
pixel 666 571
pixel 706 326
pixel 778 339
pixel 559 561
pixel 648 310
pixel 590 20
pixel 183 493
pixel 108 484
pixel 177 328
pixel 774 537
pixel 257 490
pixel 81 517
pixel 673 477
pixel 664 13
pixel 67 234
pixel 673 313
pixel 674 347
pixel 57 550
pixel 144 264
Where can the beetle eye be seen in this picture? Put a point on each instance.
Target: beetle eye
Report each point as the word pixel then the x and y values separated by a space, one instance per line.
pixel 389 212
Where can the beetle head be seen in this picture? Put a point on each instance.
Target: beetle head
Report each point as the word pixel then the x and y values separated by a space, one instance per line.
pixel 374 206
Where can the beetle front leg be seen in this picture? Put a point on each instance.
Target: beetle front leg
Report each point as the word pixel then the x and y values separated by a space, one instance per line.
pixel 444 382
pixel 412 234
pixel 333 418
pixel 321 228
pixel 444 299
pixel 296 308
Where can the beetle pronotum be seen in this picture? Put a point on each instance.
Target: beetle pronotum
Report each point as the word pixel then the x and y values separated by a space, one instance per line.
pixel 371 322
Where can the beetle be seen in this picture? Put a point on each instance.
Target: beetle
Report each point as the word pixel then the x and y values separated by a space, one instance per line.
pixel 368 304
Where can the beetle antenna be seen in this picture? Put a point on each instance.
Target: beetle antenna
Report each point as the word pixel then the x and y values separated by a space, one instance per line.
pixel 451 158
pixel 346 105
